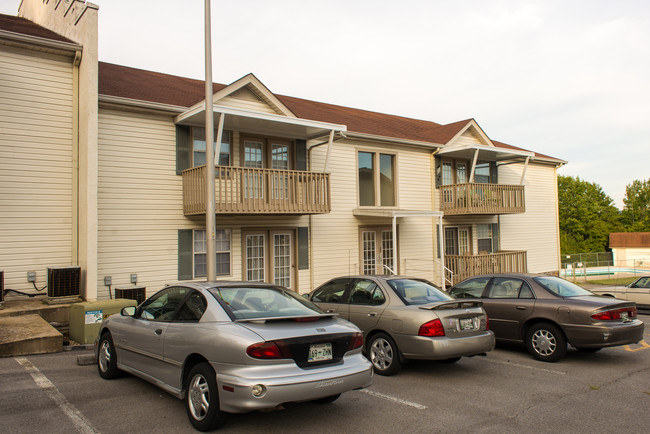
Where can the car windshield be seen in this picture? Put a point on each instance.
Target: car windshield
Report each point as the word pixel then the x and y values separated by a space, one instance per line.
pixel 414 292
pixel 264 302
pixel 561 287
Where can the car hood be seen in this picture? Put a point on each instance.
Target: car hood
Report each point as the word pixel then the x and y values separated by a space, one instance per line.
pixel 290 328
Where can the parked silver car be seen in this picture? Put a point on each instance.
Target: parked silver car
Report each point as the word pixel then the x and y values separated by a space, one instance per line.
pixel 234 347
pixel 404 318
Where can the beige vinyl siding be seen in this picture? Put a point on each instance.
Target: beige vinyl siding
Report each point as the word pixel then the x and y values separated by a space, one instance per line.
pixel 35 165
pixel 140 205
pixel 469 138
pixel 535 231
pixel 336 235
pixel 246 104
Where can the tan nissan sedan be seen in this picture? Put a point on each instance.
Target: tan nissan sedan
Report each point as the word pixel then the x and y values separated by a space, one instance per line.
pixel 405 318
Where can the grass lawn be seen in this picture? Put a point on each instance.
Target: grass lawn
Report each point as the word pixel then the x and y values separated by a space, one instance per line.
pixel 621 281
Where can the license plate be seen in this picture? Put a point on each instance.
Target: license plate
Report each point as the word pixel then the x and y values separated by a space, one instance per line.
pixel 320 352
pixel 624 317
pixel 466 323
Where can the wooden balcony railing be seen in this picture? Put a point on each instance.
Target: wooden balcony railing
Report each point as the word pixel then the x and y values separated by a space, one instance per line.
pixel 464 266
pixel 243 190
pixel 482 199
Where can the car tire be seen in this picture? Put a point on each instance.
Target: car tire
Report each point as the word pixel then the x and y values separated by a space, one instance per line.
pixel 327 399
pixel 384 355
pixel 546 342
pixel 589 350
pixel 202 398
pixel 107 358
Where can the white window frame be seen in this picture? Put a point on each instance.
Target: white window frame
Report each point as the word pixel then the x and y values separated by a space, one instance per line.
pixel 228 233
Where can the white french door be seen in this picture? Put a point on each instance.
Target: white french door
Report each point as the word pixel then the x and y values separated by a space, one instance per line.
pixel 269 257
pixel 376 245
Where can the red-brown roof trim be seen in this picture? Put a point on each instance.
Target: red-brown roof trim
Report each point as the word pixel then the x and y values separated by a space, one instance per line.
pixel 629 239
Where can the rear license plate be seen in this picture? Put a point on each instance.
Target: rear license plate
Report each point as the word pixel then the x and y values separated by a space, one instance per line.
pixel 624 317
pixel 466 323
pixel 320 352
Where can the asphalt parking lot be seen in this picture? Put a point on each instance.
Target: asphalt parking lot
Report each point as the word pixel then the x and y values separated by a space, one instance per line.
pixel 505 391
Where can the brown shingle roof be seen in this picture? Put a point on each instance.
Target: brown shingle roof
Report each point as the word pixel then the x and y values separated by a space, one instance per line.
pixel 629 239
pixel 139 84
pixel 26 27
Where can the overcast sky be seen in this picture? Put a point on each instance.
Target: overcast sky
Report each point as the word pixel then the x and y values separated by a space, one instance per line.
pixel 564 78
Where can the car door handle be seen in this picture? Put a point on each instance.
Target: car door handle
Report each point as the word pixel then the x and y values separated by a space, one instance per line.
pixel 521 308
pixel 330 311
pixel 158 332
pixel 372 313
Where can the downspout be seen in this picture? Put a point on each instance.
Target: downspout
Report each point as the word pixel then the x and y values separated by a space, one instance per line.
pixel 442 254
pixel 395 257
pixel 75 158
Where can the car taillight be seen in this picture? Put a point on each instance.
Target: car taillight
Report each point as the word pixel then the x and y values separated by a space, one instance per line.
pixel 615 314
pixel 264 350
pixel 356 342
pixel 432 328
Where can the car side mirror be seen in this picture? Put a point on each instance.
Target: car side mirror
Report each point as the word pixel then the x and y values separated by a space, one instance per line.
pixel 128 311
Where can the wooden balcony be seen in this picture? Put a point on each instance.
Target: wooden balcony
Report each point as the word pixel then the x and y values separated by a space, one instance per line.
pixel 459 199
pixel 243 190
pixel 464 266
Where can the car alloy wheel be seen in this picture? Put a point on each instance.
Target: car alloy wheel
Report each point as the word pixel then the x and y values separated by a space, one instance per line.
pixel 546 342
pixel 107 358
pixel 202 400
pixel 384 355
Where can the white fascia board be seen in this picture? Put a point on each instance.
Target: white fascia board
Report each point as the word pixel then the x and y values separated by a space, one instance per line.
pixel 108 99
pixel 485 148
pixel 58 47
pixel 200 110
pixel 375 137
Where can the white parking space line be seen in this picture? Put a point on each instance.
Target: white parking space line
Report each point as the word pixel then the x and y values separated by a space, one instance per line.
pixel 80 422
pixel 394 399
pixel 518 365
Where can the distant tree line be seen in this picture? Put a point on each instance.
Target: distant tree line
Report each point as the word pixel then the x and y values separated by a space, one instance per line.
pixel 588 215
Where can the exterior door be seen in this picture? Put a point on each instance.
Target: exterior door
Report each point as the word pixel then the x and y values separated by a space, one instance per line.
pixel 451 241
pixel 268 256
pixel 377 251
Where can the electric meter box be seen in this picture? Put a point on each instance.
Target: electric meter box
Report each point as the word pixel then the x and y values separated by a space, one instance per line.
pixel 87 317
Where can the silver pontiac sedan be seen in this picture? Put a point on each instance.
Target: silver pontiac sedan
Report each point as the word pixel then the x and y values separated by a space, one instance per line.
pixel 404 318
pixel 234 347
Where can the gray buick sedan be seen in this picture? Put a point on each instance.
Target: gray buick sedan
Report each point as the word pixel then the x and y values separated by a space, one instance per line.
pixel 234 347
pixel 404 318
pixel 547 313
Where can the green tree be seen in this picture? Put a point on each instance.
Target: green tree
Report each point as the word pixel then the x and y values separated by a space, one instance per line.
pixel 636 207
pixel 587 216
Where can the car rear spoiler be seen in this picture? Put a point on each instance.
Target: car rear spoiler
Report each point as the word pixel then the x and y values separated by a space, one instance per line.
pixel 452 304
pixel 297 318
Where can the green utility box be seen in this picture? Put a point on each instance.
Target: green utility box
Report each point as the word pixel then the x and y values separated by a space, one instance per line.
pixel 86 317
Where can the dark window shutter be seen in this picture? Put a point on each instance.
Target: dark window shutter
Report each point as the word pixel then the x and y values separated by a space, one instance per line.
pixel 303 248
pixel 438 240
pixel 301 154
pixel 494 179
pixel 438 168
pixel 183 148
pixel 495 238
pixel 185 271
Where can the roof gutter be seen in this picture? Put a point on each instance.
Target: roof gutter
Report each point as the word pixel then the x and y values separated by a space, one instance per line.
pixel 29 41
pixel 136 103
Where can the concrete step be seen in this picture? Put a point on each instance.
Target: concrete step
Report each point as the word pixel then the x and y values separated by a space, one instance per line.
pixel 26 334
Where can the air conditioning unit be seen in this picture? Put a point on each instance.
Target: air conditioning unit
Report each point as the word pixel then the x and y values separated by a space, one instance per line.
pixel 136 293
pixel 63 282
